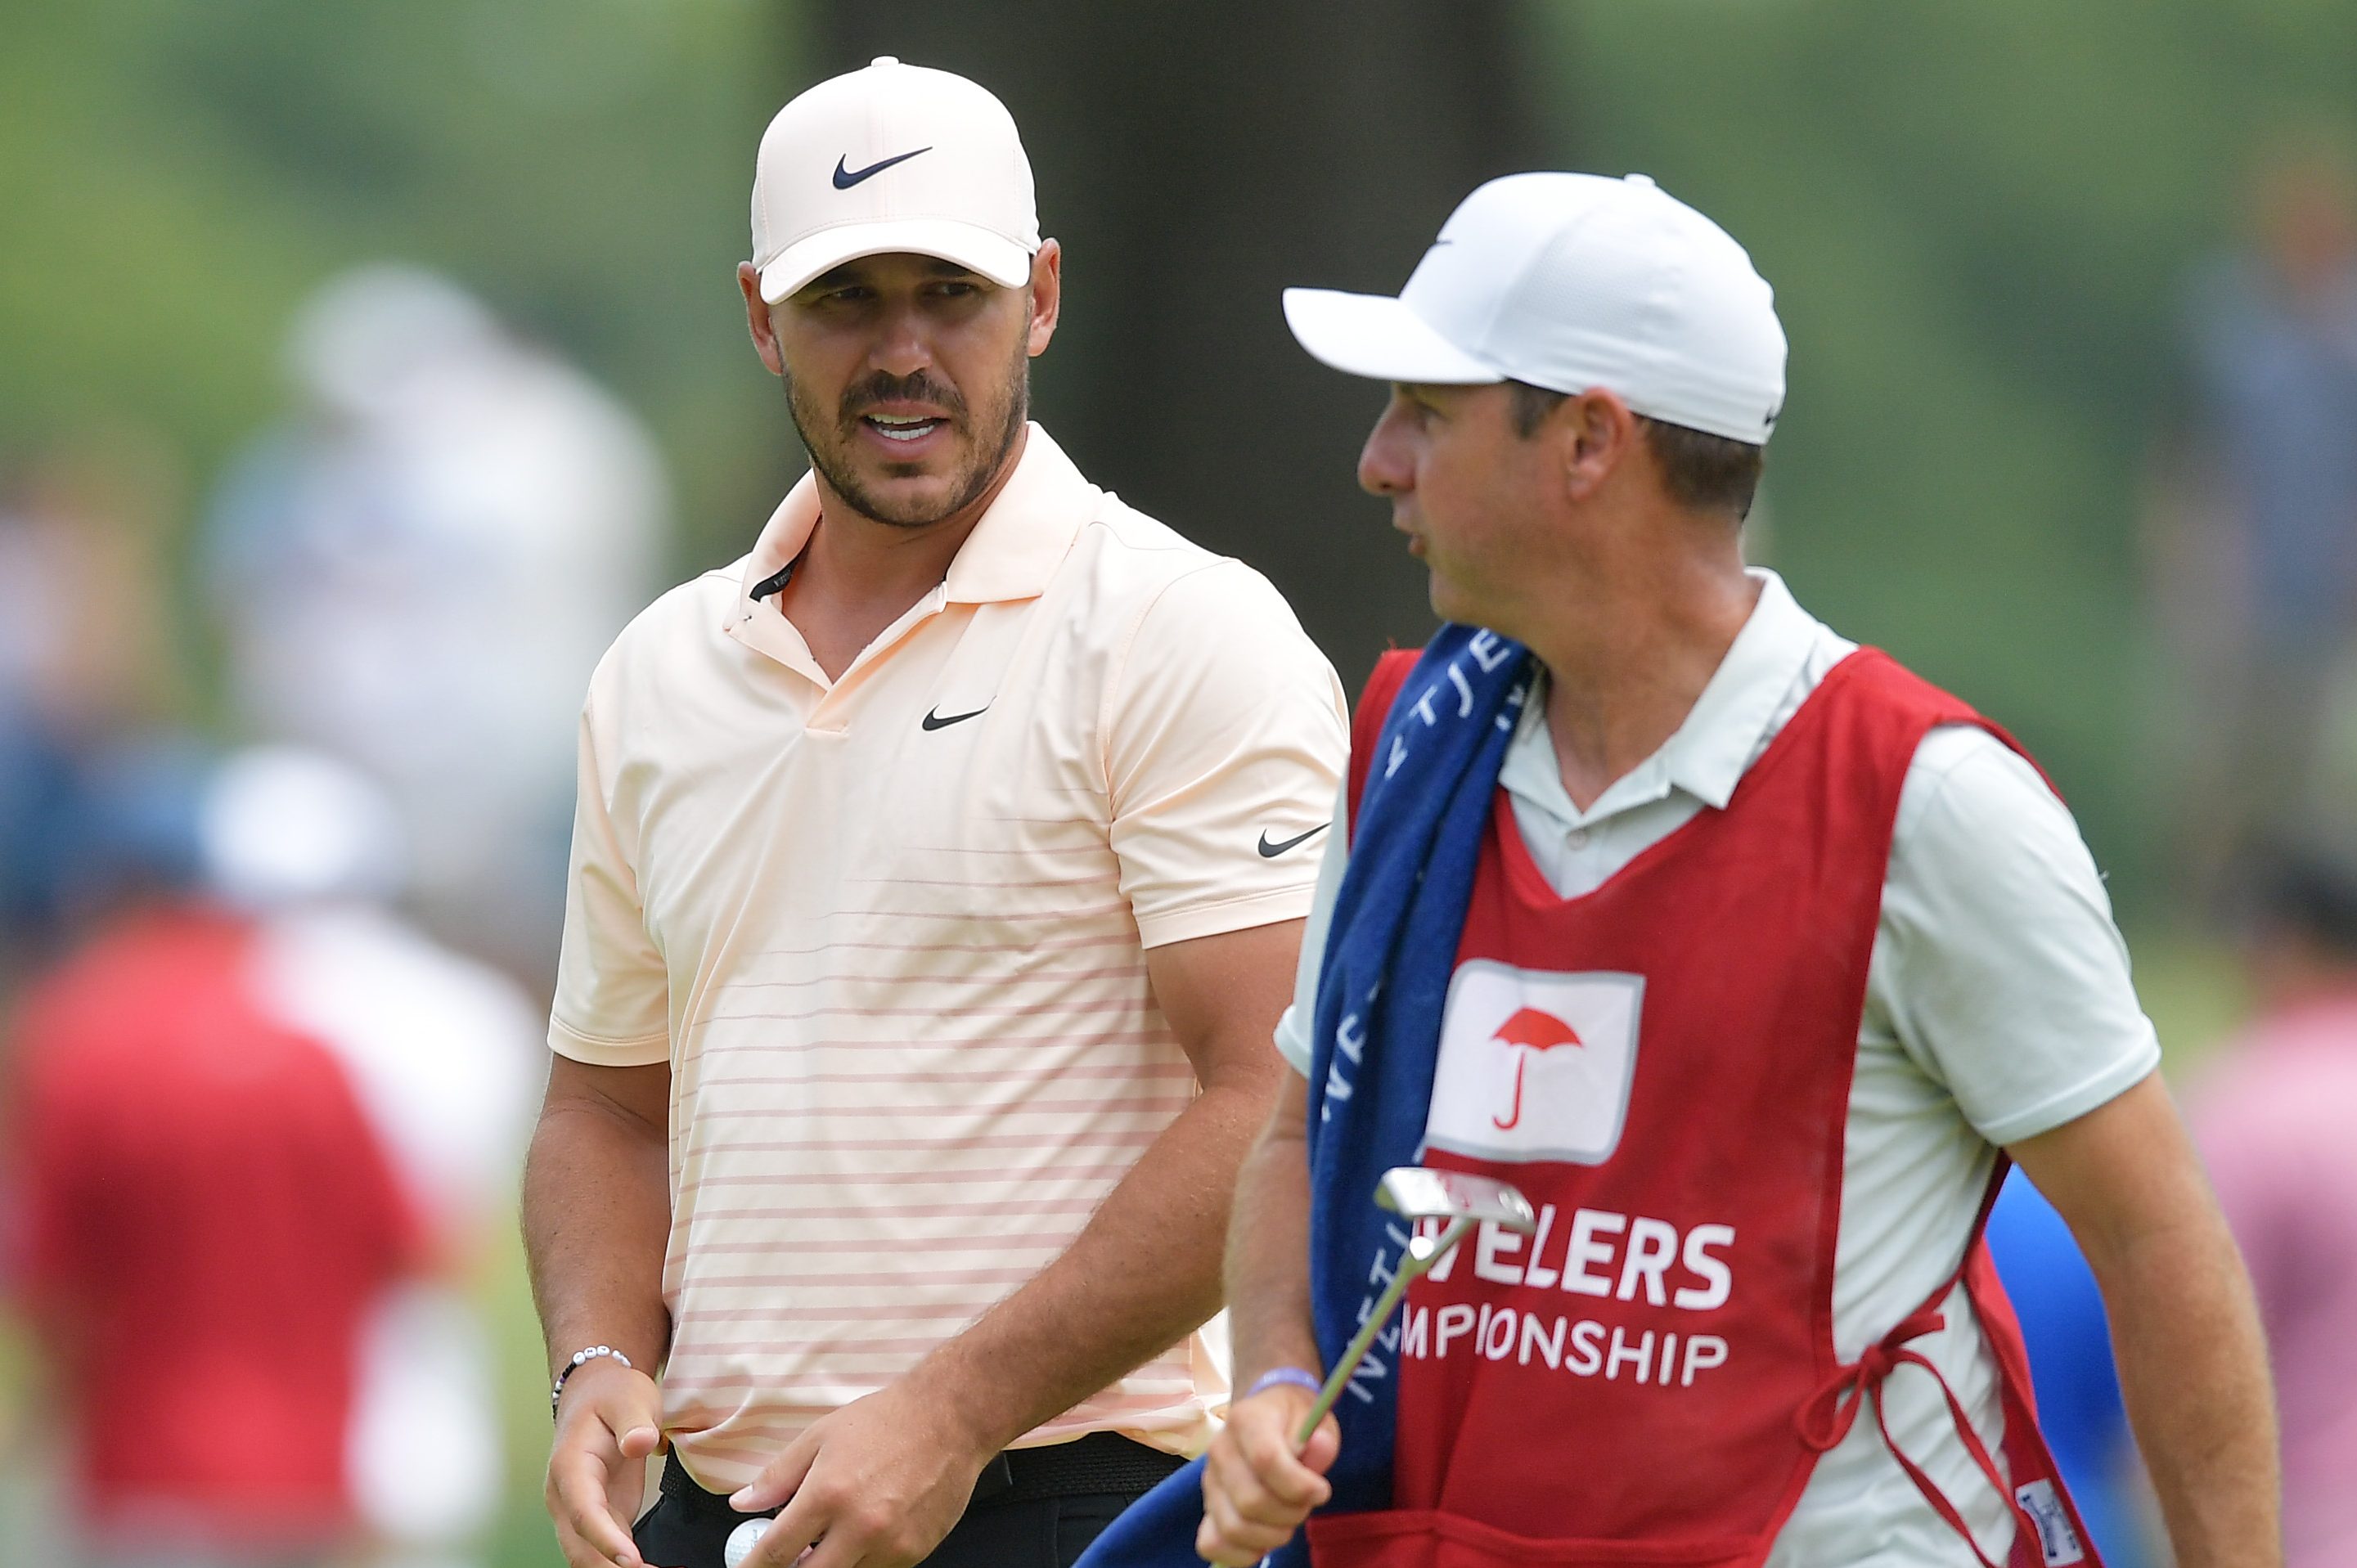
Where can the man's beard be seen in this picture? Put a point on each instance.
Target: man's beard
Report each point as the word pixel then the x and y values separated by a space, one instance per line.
pixel 989 457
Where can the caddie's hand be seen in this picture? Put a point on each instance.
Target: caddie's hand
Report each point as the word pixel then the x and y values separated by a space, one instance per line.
pixel 608 1422
pixel 877 1484
pixel 1256 1490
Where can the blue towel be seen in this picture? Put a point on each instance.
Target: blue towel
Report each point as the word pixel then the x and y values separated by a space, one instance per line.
pixel 1415 840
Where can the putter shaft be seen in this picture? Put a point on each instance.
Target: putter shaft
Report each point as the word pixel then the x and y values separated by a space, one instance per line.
pixel 1411 1269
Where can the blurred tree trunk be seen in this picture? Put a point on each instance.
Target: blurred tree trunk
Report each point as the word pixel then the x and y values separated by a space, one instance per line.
pixel 1195 158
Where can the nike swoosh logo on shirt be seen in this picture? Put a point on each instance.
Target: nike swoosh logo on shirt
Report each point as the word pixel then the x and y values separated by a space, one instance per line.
pixel 1270 850
pixel 933 720
pixel 846 179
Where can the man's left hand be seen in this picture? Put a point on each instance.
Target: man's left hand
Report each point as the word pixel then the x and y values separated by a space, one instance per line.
pixel 877 1484
pixel 1256 1488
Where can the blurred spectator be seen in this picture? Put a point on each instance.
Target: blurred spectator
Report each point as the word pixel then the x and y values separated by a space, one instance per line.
pixel 2070 1341
pixel 2255 524
pixel 84 639
pixel 253 1306
pixel 444 1055
pixel 201 1220
pixel 2273 1123
pixel 418 572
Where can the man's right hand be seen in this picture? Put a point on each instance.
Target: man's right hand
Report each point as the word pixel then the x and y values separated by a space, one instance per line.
pixel 608 1422
pixel 1256 1490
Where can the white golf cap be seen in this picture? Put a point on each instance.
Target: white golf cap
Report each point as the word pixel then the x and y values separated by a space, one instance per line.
pixel 893 157
pixel 1572 282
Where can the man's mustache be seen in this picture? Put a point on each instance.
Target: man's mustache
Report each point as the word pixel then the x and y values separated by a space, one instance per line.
pixel 884 387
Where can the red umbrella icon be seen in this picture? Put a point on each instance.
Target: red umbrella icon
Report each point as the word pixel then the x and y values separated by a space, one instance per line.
pixel 1530 1030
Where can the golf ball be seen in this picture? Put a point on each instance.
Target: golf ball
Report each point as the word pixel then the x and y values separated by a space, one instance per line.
pixel 742 1540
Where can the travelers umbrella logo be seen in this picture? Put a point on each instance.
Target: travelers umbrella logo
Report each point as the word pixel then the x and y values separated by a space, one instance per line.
pixel 1535 1064
pixel 1531 1030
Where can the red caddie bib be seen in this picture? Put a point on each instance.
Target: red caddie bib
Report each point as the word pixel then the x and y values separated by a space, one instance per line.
pixel 1663 1066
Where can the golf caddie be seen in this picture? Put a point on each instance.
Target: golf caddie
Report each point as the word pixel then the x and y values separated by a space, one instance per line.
pixel 939 877
pixel 1749 957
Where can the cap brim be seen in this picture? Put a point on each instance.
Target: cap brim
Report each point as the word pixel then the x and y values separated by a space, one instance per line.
pixel 993 255
pixel 1375 336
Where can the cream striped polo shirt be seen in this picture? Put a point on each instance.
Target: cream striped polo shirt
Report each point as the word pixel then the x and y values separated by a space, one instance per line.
pixel 889 932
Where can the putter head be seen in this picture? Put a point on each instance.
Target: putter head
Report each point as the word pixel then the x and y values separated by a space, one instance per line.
pixel 1419 1192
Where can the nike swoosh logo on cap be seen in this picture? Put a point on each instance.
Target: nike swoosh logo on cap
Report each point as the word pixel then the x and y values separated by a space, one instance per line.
pixel 1270 851
pixel 846 179
pixel 934 719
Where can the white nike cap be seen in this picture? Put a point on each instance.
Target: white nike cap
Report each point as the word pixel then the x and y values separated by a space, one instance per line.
pixel 1573 282
pixel 893 157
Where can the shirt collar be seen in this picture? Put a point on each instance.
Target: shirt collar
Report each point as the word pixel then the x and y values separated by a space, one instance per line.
pixel 1721 735
pixel 1011 554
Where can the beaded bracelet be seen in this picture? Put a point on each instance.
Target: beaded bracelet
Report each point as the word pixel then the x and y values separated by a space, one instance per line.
pixel 580 1360
pixel 1278 1377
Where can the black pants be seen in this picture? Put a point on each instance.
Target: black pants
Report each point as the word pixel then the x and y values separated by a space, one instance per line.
pixel 1022 1515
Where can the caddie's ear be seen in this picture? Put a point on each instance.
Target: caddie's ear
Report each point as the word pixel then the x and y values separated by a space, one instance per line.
pixel 1046 296
pixel 1595 436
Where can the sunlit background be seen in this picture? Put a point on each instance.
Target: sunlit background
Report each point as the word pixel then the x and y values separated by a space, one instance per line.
pixel 362 367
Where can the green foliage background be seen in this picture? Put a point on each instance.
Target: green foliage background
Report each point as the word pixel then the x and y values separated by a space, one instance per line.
pixel 1977 218
pixel 175 174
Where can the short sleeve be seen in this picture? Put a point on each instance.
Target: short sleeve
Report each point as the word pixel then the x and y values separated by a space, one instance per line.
pixel 613 989
pixel 1224 742
pixel 1998 964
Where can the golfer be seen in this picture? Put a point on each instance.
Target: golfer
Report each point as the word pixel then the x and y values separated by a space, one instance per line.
pixel 938 880
pixel 1746 955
